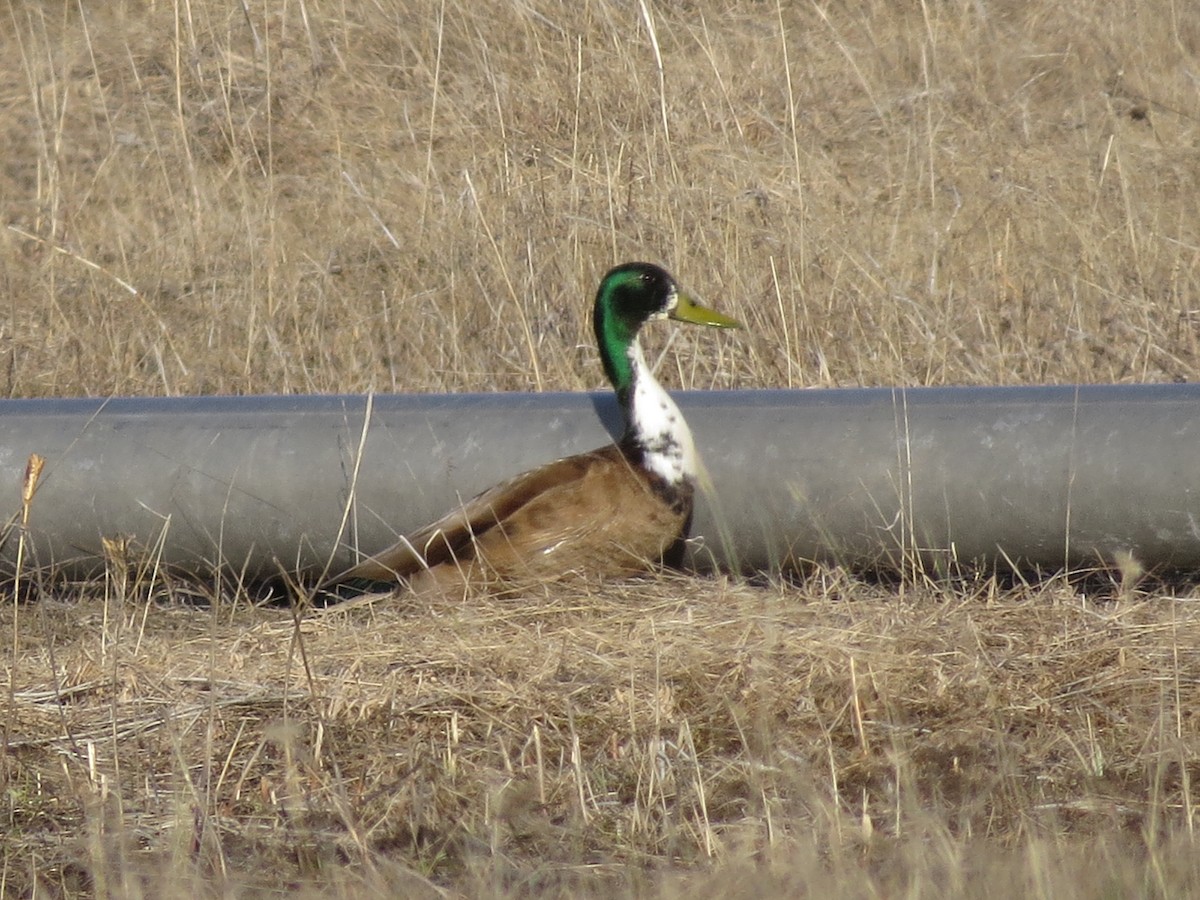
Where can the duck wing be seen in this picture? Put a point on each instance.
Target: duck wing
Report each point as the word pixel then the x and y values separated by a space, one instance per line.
pixel 581 502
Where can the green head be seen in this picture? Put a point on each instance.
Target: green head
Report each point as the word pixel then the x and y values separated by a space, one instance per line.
pixel 629 296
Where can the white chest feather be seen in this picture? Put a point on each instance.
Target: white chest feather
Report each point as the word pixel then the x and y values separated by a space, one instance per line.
pixel 660 426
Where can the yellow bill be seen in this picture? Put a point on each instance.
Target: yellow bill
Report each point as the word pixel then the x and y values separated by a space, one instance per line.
pixel 688 309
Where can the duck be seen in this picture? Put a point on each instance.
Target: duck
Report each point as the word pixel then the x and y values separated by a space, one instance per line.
pixel 616 511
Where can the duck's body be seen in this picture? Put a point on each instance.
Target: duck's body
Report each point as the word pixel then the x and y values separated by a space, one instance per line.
pixel 614 511
pixel 593 512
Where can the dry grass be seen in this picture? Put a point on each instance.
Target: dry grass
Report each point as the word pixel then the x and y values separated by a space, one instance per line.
pixel 610 741
pixel 315 196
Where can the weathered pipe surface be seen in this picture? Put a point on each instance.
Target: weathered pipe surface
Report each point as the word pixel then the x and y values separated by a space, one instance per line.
pixel 1025 476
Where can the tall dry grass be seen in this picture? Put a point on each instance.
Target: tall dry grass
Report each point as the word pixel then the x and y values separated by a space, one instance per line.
pixel 315 196
pixel 333 197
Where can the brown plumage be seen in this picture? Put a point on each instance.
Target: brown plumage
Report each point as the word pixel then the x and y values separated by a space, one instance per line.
pixel 594 513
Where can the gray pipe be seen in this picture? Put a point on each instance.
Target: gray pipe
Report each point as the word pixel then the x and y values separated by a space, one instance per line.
pixel 1025 476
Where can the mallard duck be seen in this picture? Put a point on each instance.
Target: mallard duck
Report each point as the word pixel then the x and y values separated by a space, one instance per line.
pixel 615 511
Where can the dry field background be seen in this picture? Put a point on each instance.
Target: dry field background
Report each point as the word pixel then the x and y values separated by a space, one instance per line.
pixel 204 197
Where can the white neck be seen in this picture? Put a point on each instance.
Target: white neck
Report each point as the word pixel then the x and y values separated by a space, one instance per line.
pixel 658 425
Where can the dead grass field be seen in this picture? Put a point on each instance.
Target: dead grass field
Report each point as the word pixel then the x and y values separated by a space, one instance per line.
pixel 392 195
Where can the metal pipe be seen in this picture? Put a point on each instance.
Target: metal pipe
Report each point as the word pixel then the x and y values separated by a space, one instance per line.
pixel 1012 477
